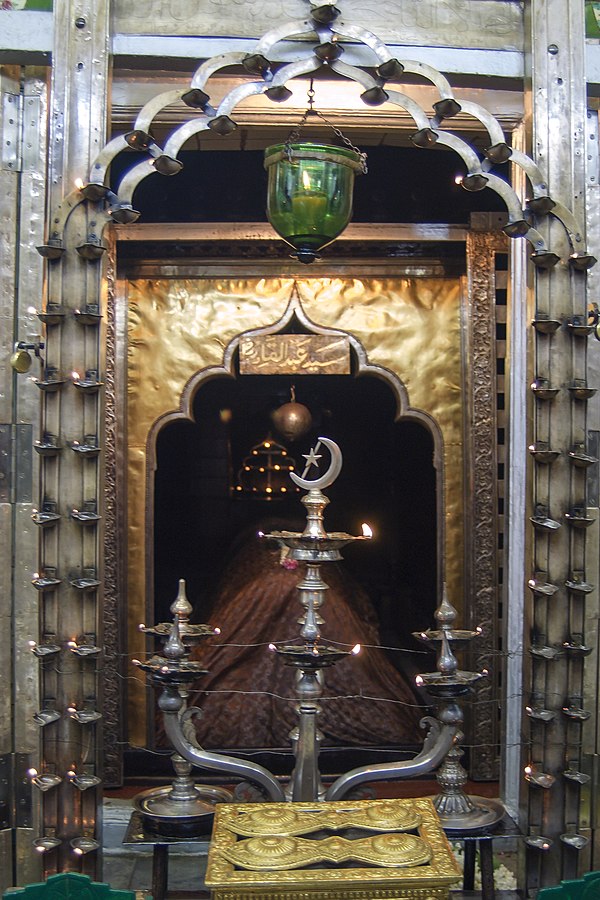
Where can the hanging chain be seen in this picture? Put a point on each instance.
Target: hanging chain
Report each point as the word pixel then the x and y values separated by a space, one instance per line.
pixel 294 135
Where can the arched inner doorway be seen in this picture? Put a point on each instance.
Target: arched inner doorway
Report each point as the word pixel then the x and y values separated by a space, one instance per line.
pixel 205 533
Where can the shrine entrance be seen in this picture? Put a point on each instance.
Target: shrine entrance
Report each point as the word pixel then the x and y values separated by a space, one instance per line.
pixel 192 418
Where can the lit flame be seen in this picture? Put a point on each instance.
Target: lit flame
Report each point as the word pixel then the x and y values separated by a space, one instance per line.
pixel 136 662
pixel 78 851
pixel 356 649
pixel 75 376
pixel 32 310
pixel 306 181
pixel 458 179
pixel 79 183
pixel 272 647
pixel 367 530
pixel 419 681
pixel 141 626
pixel 31 773
pixel 528 770
pixel 216 630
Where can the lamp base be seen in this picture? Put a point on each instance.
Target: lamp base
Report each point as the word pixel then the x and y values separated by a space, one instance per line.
pixel 305 255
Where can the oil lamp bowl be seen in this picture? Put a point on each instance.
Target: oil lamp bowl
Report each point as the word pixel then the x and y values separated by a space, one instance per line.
pixel 578 327
pixel 85 716
pixel 543 454
pixel 320 656
pixel 579 777
pixel 46 717
pixel 576 713
pixel 578 518
pixel 577 649
pixel 545 652
pixel 312 548
pixel 45 844
pixel 54 249
pixel 52 315
pixel 581 460
pixel 540 715
pixel 47 447
pixel 46 782
pixel 187 632
pixel 43 650
pixel 84 782
pixel 85 516
pixel 45 583
pixel 449 686
pixel 85 584
pixel 169 671
pixel 84 845
pixel 45 519
pixel 538 842
pixel 540 779
pixel 579 587
pixel 544 523
pixel 458 637
pixel 582 392
pixel 576 841
pixel 89 315
pixel 545 325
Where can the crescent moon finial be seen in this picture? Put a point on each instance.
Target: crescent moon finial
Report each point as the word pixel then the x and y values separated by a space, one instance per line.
pixel 312 458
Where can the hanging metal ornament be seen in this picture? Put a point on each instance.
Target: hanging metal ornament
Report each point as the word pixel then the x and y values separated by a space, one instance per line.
pixel 310 187
pixel 292 420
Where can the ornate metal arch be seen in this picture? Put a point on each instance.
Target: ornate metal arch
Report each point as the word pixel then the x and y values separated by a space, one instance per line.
pixel 329 36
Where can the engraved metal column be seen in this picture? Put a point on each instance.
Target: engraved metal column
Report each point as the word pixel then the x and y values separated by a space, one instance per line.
pixel 558 712
pixel 23 124
pixel 70 565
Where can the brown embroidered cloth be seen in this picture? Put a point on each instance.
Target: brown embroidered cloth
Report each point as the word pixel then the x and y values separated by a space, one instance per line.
pixel 248 697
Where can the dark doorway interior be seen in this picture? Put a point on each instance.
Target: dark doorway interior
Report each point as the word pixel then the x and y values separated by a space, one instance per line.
pixel 388 480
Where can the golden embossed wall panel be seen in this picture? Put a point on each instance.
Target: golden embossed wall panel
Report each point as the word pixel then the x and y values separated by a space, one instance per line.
pixel 177 328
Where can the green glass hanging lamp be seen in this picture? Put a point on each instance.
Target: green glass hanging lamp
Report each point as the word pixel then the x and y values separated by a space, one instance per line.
pixel 310 188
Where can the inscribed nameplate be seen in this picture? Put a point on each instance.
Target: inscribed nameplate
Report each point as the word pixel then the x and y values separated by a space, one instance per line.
pixel 294 354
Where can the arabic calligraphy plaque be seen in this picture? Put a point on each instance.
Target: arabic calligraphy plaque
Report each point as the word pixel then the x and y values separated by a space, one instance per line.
pixel 294 354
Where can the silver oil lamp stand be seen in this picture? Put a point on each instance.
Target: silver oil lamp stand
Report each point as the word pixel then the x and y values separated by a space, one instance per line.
pixel 183 808
pixel 174 673
pixel 457 810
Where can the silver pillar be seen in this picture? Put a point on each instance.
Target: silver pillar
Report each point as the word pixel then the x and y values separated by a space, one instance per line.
pixel 71 611
pixel 558 118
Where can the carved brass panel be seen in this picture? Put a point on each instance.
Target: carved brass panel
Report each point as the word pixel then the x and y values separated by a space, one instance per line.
pixel 410 328
pixel 276 864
